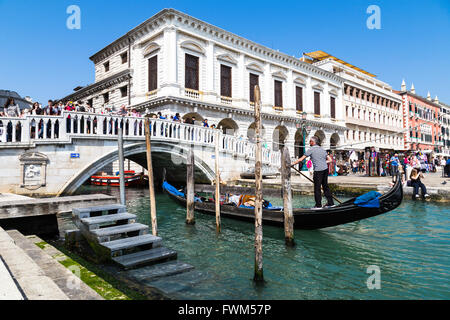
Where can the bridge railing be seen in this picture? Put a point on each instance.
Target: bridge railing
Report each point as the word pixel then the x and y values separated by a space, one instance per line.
pixel 46 129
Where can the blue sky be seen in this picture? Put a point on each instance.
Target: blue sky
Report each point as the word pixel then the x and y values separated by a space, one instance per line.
pixel 41 58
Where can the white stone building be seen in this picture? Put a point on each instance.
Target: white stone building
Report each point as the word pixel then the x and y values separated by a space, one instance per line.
pixel 444 121
pixel 174 63
pixel 372 110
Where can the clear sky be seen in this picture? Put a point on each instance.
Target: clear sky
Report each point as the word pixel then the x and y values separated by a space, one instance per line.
pixel 40 57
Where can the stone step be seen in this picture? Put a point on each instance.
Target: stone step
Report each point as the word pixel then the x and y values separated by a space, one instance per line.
pixel 145 257
pixel 178 283
pixel 70 284
pixel 28 276
pixel 81 213
pixel 94 222
pixel 105 234
pixel 116 247
pixel 160 270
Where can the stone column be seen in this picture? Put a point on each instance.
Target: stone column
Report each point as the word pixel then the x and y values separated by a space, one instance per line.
pixel 241 93
pixel 309 95
pixel 170 85
pixel 209 92
pixel 289 104
pixel 325 104
pixel 267 96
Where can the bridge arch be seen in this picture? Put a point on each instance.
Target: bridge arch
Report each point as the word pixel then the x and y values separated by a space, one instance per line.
pixel 132 151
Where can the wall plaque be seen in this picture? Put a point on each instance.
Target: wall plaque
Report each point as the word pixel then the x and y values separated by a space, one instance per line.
pixel 33 167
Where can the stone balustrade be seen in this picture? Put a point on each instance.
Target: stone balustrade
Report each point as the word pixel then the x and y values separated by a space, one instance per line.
pixel 40 129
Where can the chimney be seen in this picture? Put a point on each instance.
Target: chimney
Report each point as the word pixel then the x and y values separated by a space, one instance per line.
pixel 413 90
pixel 403 88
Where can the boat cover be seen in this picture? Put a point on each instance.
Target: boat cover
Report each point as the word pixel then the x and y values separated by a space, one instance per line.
pixel 174 191
pixel 370 199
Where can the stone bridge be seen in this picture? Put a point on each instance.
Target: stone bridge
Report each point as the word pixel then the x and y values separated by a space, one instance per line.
pixel 55 155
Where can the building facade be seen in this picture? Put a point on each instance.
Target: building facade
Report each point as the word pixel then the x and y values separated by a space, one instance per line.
pixel 174 63
pixel 372 110
pixel 444 120
pixel 421 120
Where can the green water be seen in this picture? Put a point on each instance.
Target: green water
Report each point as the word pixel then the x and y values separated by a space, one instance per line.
pixel 410 245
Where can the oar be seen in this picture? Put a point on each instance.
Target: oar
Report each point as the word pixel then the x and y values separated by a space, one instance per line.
pixel 312 182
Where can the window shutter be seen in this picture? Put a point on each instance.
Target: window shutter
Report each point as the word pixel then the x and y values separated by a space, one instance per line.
pixel 191 72
pixel 278 94
pixel 254 80
pixel 317 103
pixel 153 73
pixel 299 98
pixel 333 108
pixel 225 81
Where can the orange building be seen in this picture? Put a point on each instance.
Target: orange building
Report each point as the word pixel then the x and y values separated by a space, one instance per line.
pixel 421 116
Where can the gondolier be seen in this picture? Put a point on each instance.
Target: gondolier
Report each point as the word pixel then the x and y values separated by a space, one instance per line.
pixel 320 161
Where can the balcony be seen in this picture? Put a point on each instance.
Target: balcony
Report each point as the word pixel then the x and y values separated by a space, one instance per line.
pixel 193 94
pixel 278 109
pixel 151 94
pixel 226 100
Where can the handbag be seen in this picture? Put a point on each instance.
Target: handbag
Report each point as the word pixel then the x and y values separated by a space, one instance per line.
pixel 408 183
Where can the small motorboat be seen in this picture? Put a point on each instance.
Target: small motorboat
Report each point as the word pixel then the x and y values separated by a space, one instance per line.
pixel 132 179
pixel 304 218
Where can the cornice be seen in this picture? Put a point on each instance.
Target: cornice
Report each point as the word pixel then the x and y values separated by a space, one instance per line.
pixel 99 86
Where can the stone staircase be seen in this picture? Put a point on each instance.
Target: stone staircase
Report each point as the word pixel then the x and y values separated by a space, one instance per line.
pixel 115 236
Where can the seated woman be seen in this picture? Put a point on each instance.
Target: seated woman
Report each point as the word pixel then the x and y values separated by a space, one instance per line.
pixel 416 183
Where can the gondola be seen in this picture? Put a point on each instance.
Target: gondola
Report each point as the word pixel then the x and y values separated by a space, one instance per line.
pixel 306 219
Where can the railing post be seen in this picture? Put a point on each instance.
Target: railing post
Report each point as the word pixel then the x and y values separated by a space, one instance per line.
pixel 26 130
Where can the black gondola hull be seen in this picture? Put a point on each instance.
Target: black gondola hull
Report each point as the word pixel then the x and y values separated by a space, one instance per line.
pixel 306 219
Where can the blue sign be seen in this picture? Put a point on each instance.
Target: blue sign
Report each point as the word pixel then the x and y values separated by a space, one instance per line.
pixel 74 155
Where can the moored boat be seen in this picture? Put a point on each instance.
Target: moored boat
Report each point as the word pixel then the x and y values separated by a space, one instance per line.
pixel 131 179
pixel 304 218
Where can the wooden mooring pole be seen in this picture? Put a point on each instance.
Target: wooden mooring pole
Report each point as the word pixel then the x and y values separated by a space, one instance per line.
pixel 190 218
pixel 217 196
pixel 121 165
pixel 258 277
pixel 150 178
pixel 287 197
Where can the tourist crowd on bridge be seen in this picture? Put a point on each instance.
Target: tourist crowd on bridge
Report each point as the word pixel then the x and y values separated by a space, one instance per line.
pixel 55 108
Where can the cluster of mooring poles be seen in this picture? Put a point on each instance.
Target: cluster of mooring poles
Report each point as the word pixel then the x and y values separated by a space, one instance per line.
pixel 190 185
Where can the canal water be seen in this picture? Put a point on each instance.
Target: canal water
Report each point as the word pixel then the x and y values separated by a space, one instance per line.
pixel 410 246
